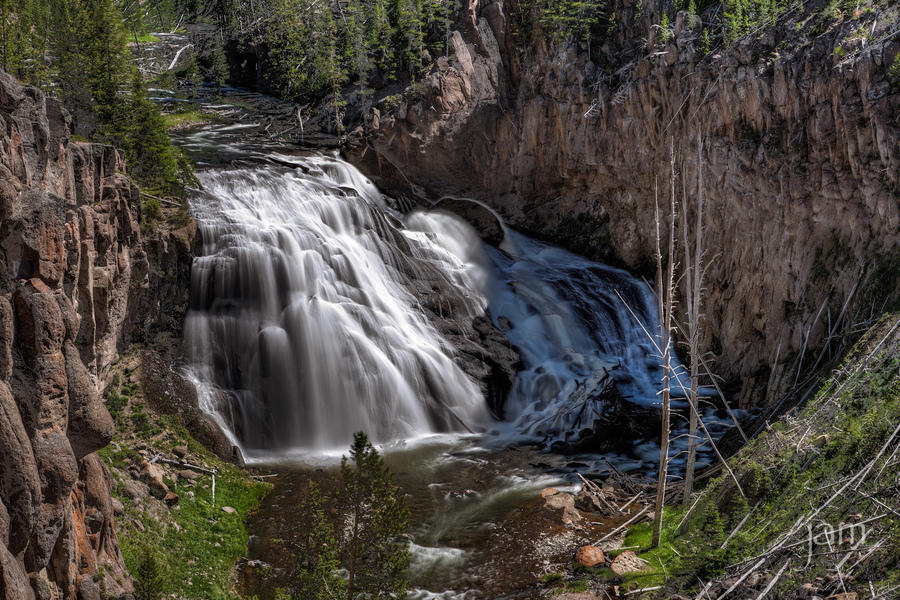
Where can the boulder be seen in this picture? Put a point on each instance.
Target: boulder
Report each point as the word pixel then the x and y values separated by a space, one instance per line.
pixel 229 510
pixel 136 490
pixel 590 556
pixel 188 475
pixel 627 562
pixel 118 507
pixel 562 507
pixel 152 474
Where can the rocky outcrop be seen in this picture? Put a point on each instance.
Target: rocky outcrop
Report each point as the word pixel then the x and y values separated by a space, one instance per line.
pixel 72 268
pixel 801 157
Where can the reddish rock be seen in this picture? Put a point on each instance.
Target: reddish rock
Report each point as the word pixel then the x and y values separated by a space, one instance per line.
pixel 74 274
pixel 590 556
pixel 152 474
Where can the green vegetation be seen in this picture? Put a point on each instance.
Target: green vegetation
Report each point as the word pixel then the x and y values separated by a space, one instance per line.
pixel 665 31
pixel 744 16
pixel 580 22
pixel 148 578
pixel 705 43
pixel 797 477
pixel 146 38
pixel 191 548
pixel 315 48
pixel 77 49
pixel 894 71
pixel 186 118
pixel 365 539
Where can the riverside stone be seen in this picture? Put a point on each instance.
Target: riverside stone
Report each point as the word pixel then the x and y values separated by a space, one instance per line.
pixel 590 556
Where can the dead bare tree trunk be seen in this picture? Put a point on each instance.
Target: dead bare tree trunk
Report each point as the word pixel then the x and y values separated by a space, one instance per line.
pixel 666 305
pixel 693 271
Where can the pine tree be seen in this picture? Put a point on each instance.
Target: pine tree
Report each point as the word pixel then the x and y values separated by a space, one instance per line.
pixel 356 52
pixel 705 42
pixel 379 37
pixel 148 579
pixel 374 516
pixel 316 577
pixel 327 64
pixel 287 36
pixel 411 34
pixel 150 155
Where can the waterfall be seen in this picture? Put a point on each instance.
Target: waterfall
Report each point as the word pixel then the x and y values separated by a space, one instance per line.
pixel 303 326
pixel 306 322
pixel 578 325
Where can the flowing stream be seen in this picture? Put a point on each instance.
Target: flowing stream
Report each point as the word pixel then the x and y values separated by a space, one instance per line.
pixel 303 328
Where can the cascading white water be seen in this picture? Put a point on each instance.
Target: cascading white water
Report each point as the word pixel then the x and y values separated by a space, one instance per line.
pixel 573 321
pixel 305 324
pixel 301 331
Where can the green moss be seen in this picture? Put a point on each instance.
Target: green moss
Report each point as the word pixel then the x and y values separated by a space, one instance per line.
pixel 894 71
pixel 551 578
pixel 147 38
pixel 661 560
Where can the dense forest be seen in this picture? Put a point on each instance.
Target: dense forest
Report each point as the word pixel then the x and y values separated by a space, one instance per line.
pixel 78 50
pixel 333 53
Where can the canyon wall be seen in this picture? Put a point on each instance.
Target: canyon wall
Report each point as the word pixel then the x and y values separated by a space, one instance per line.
pixel 76 286
pixel 801 160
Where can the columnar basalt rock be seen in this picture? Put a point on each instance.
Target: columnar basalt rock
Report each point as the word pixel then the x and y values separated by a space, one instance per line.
pixel 72 263
pixel 801 160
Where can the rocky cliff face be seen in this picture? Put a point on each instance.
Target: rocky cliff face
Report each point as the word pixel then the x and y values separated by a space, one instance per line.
pixel 72 266
pixel 801 157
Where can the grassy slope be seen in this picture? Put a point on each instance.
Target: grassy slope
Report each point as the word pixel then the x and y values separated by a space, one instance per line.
pixel 195 543
pixel 792 470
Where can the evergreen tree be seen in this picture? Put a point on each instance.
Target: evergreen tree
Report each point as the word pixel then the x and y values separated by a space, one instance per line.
pixel 379 37
pixel 327 65
pixel 356 51
pixel 411 34
pixel 148 580
pixel 705 42
pixel 374 516
pixel 316 577
pixel 150 155
pixel 288 38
